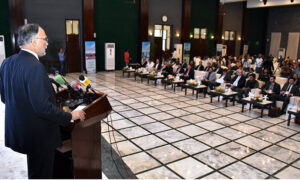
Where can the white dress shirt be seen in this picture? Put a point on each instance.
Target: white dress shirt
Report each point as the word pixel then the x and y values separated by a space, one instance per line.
pixel 31 52
pixel 235 83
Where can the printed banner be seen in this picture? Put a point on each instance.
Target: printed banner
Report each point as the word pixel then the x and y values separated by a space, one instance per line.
pixel 90 56
pixel 186 51
pixel 146 50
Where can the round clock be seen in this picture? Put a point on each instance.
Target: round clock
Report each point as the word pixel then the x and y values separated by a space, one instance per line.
pixel 164 18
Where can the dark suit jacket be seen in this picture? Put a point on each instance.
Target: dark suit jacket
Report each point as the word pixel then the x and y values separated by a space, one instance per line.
pixel 297 82
pixel 32 118
pixel 219 70
pixel 294 90
pixel 144 64
pixel 159 66
pixel 201 68
pixel 180 71
pixel 252 84
pixel 227 77
pixel 276 88
pixel 191 73
pixel 241 82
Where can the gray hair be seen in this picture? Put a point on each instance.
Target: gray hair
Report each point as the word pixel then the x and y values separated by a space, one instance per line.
pixel 26 33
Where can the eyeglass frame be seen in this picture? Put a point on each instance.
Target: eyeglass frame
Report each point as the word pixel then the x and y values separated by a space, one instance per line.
pixel 45 39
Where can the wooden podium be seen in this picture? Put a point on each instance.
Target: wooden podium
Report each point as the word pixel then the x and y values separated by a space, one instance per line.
pixel 85 137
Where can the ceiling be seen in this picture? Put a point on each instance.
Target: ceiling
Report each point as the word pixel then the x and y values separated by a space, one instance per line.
pixel 260 3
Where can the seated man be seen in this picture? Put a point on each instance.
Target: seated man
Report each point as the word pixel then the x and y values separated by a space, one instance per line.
pixel 188 74
pixel 288 90
pixel 150 64
pixel 184 65
pixel 271 89
pixel 219 69
pixel 179 69
pixel 265 76
pixel 286 71
pixel 250 84
pixel 157 65
pixel 225 78
pixel 144 62
pixel 297 80
pixel 207 67
pixel 200 67
pixel 238 82
pixel 209 78
pixel 251 71
pixel 167 70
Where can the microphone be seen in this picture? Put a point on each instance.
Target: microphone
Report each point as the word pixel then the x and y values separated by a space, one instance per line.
pixel 76 86
pixel 52 81
pixel 61 80
pixel 86 82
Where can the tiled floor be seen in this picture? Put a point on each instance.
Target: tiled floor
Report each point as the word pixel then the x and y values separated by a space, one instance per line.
pixel 162 134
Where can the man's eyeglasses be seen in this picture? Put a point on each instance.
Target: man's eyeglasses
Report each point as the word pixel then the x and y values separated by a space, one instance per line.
pixel 45 39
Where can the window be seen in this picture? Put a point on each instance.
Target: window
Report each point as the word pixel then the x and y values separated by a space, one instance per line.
pixel 203 33
pixel 157 30
pixel 196 33
pixel 72 27
pixel 229 35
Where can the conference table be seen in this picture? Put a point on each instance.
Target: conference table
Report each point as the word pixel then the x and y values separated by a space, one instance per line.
pixel 227 95
pixel 263 105
pixel 195 88
pixel 173 83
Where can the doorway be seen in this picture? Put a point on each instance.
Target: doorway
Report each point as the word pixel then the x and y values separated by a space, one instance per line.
pixel 73 46
pixel 162 40
pixel 229 40
pixel 200 42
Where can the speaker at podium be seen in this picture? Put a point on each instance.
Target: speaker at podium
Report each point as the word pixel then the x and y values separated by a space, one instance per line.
pixel 80 155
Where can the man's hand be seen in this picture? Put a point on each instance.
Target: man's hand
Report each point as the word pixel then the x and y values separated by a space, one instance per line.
pixel 78 114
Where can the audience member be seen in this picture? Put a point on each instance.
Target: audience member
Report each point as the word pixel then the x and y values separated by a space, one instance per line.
pixel 209 78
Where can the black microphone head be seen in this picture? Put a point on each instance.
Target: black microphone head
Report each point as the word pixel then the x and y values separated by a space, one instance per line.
pixel 81 77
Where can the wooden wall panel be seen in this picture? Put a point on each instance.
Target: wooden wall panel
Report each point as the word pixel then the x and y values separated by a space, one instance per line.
pixel 16 20
pixel 186 20
pixel 219 26
pixel 88 23
pixel 143 25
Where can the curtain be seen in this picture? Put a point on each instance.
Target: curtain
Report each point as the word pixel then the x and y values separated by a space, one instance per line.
pixel 292 47
pixel 275 43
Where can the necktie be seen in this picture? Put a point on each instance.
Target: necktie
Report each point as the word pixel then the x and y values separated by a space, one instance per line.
pixel 288 89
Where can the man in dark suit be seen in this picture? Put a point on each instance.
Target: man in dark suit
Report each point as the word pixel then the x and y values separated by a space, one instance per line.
pixel 225 78
pixel 252 83
pixel 219 69
pixel 297 80
pixel 189 73
pixel 167 70
pixel 207 67
pixel 32 119
pixel 200 67
pixel 288 90
pixel 179 70
pixel 238 83
pixel 157 65
pixel 271 89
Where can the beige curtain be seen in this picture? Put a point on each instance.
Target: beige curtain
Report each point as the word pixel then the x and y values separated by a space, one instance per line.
pixel 275 43
pixel 293 43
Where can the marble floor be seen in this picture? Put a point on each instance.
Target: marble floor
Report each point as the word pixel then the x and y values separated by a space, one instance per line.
pixel 162 134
